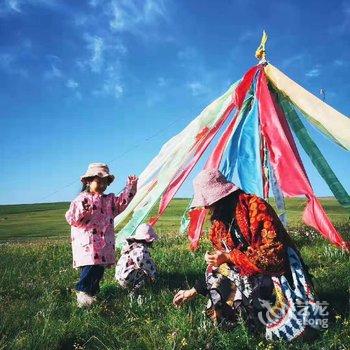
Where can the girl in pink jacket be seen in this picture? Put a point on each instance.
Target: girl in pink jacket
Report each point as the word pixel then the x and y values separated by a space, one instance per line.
pixel 91 217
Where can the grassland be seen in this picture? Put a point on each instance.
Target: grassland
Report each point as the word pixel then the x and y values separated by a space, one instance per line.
pixel 37 304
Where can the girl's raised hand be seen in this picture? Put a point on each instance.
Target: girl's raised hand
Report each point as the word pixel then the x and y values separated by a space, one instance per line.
pixel 133 179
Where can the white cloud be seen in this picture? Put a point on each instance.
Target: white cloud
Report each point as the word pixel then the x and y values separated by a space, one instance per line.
pixel 101 51
pixel 343 25
pixel 313 73
pixel 246 36
pixel 80 19
pixel 122 49
pixel 293 60
pixel 161 82
pixel 112 85
pixel 105 25
pixel 72 84
pixel 17 58
pixel 200 78
pixel 140 18
pixel 196 88
pixel 339 63
pixel 16 6
pixel 93 3
pixel 27 44
pixel 10 65
pixel 117 90
pixel 53 59
pixel 110 88
pixel 187 54
pixel 53 73
pixel 104 60
pixel 132 16
pixel 96 48
pixel 153 99
pixel 6 60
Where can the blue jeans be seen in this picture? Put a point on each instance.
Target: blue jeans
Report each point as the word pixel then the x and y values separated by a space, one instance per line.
pixel 90 277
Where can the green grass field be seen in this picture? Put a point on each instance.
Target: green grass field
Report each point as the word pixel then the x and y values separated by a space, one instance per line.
pixel 37 301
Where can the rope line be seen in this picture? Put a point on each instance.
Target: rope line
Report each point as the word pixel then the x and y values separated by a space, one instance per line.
pixel 159 132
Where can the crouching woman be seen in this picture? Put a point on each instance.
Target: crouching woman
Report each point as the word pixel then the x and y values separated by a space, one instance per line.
pixel 254 273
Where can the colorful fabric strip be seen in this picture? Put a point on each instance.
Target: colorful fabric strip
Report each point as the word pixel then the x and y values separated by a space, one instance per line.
pixel 277 193
pixel 178 181
pixel 197 219
pixel 244 150
pixel 176 153
pixel 286 164
pixel 185 220
pixel 314 153
pixel 332 123
pixel 249 166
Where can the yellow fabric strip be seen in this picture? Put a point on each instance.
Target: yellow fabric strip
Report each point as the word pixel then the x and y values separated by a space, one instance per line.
pixel 328 120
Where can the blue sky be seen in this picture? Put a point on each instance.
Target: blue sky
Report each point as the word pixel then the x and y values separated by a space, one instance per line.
pixel 111 81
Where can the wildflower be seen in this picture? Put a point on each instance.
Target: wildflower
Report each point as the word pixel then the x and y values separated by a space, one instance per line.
pixel 184 342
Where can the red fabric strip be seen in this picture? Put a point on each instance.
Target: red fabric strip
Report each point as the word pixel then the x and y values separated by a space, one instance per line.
pixel 286 161
pixel 197 217
pixel 197 220
pixel 237 101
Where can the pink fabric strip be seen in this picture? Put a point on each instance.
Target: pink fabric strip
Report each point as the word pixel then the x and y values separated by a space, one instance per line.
pixel 178 181
pixel 283 120
pixel 197 216
pixel 237 101
pixel 197 220
pixel 287 164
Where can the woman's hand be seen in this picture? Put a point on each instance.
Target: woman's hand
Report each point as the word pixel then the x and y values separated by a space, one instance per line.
pixel 217 258
pixel 184 295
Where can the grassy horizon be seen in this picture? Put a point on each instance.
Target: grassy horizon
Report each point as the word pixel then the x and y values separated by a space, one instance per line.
pixel 37 301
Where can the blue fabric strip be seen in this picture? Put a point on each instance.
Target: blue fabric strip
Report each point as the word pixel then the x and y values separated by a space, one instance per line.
pixel 249 160
pixel 244 151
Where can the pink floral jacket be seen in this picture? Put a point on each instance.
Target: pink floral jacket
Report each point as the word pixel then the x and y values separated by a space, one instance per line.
pixel 92 233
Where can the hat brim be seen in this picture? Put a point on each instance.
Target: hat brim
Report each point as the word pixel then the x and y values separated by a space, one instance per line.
pixel 87 177
pixel 200 201
pixel 147 240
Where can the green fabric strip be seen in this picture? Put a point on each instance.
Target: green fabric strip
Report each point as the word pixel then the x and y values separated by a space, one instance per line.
pixel 314 152
pixel 185 221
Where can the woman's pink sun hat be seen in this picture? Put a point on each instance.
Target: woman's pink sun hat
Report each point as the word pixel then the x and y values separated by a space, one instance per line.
pixel 210 185
pixel 98 169
pixel 144 232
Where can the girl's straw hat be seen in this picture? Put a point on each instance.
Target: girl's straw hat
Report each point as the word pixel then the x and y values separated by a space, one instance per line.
pixel 98 169
pixel 210 185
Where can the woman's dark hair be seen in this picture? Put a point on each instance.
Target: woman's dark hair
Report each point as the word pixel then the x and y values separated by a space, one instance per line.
pixel 222 210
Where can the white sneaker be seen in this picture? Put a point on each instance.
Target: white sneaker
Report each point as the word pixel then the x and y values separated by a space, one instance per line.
pixel 84 300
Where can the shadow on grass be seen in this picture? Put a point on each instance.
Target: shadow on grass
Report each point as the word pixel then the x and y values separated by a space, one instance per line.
pixel 339 301
pixel 165 281
pixel 68 343
pixel 177 280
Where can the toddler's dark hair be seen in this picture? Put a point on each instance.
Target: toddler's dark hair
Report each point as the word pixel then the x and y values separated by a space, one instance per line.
pixel 133 240
pixel 85 187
